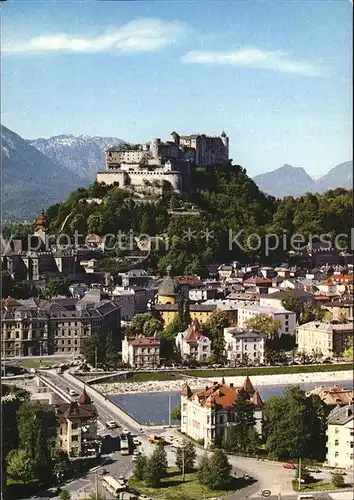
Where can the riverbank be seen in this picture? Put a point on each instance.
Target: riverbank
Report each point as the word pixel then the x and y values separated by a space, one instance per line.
pixel 317 378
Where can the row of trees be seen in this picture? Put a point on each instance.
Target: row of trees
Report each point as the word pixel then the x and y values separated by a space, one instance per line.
pixel 213 471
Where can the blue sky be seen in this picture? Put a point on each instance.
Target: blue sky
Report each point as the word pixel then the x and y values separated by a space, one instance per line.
pixel 277 76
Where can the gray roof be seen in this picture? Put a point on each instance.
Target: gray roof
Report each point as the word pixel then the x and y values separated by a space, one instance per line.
pixel 168 287
pixel 341 415
pixel 301 294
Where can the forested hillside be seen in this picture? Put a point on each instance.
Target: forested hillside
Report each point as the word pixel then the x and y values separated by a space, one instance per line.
pixel 223 198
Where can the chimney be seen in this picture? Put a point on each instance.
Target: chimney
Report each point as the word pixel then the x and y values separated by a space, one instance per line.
pixel 231 385
pixel 349 412
pixel 206 387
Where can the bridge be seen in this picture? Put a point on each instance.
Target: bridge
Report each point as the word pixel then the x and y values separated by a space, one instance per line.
pixel 42 379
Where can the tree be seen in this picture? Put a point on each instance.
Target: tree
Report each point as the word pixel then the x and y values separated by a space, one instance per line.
pixel 185 456
pixel 219 471
pixel 111 351
pixel 140 466
pixel 156 467
pixel 204 469
pixel 348 353
pixel 60 462
pixel 64 495
pixel 176 413
pixel 20 466
pixel 144 324
pixel 311 312
pixel 214 329
pixel 237 435
pixel 292 302
pixel 37 430
pixel 264 323
pixel 295 425
pixel 57 286
pixel 338 480
pixel 94 349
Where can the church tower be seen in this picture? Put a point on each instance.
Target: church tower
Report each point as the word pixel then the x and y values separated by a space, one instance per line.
pixel 41 227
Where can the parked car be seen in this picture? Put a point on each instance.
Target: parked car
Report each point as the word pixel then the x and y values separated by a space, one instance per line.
pixel 289 466
pixel 136 441
pixel 125 431
pixel 338 471
pixel 102 472
pixel 314 470
pixel 72 392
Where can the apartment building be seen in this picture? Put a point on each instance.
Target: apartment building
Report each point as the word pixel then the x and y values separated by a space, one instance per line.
pixel 244 346
pixel 324 338
pixel 340 437
pixel 141 352
pixel 287 318
pixel 206 414
pixel 193 344
pixel 38 327
pixel 77 434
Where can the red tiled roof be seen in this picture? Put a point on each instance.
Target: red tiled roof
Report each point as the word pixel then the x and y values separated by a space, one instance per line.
pixel 257 280
pixel 188 280
pixel 144 341
pixel 224 395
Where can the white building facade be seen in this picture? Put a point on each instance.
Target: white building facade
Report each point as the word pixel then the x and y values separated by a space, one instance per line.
pixel 206 414
pixel 193 344
pixel 244 346
pixel 340 437
pixel 141 352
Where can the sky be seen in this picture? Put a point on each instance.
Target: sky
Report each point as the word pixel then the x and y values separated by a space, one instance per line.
pixel 275 75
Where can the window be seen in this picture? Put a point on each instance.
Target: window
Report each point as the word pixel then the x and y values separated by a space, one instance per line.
pixel 336 442
pixel 75 426
pixel 336 454
pixel 75 438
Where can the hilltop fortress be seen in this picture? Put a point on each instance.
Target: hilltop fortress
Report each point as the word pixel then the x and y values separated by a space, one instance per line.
pixel 148 167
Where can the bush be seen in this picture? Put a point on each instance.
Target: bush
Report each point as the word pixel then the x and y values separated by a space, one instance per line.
pixel 338 480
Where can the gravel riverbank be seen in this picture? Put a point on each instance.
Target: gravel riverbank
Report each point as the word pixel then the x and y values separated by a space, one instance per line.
pixel 317 378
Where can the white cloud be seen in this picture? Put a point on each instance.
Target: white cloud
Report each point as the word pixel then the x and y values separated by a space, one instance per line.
pixel 253 58
pixel 140 35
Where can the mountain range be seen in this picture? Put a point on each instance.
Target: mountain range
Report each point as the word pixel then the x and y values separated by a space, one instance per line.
pixel 37 173
pixel 295 181
pixel 82 155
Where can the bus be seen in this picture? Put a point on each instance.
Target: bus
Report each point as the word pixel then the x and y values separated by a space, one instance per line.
pixel 113 486
pixel 124 445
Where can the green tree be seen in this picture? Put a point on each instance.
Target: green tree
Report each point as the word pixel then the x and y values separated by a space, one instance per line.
pixel 20 466
pixel 185 456
pixel 237 435
pixel 112 356
pixel 144 324
pixel 64 495
pixel 219 471
pixel 204 469
pixel 295 425
pixel 156 467
pixel 57 286
pixel 254 441
pixel 140 466
pixel 214 329
pixel 264 323
pixel 311 312
pixel 60 462
pixel 176 413
pixel 94 349
pixel 348 353
pixel 338 480
pixel 291 302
